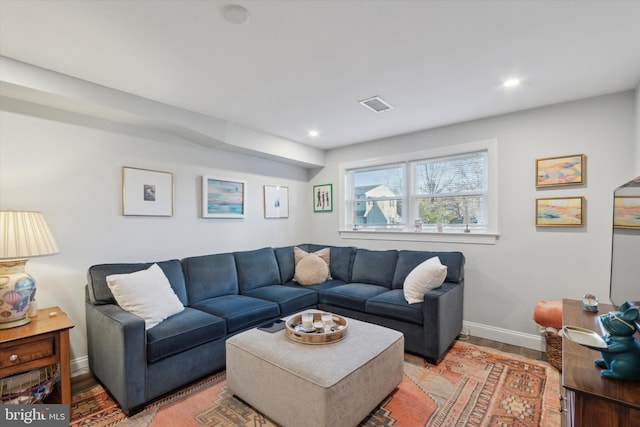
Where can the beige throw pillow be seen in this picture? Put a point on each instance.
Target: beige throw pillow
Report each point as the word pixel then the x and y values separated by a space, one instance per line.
pixel 146 293
pixel 426 276
pixel 311 272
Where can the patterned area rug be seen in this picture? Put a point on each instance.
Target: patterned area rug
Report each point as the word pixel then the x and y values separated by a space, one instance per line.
pixel 472 386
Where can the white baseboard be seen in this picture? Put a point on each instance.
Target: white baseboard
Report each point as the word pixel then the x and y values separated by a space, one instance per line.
pixel 534 342
pixel 79 366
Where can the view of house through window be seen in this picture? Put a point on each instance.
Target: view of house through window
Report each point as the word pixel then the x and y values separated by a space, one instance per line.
pixel 449 192
pixel 378 195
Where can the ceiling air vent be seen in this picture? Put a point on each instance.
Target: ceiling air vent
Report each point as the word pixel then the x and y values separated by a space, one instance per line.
pixel 376 104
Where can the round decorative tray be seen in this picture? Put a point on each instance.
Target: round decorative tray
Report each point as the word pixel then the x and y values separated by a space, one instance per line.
pixel 316 335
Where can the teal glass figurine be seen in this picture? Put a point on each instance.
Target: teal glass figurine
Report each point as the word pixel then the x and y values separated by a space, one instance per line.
pixel 621 357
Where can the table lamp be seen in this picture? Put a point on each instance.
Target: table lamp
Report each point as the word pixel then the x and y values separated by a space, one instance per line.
pixel 23 235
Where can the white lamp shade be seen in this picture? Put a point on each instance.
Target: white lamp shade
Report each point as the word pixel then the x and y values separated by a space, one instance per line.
pixel 25 234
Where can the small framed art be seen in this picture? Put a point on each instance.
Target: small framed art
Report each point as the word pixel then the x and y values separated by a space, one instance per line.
pixel 560 212
pixel 626 212
pixel 323 198
pixel 146 192
pixel 223 198
pixel 276 201
pixel 557 171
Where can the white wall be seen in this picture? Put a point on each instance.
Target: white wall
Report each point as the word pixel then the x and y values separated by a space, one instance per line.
pixel 527 264
pixel 637 147
pixel 72 173
pixel 69 167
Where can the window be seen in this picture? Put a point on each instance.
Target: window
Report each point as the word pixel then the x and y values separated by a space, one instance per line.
pixel 378 195
pixel 446 190
pixel 452 190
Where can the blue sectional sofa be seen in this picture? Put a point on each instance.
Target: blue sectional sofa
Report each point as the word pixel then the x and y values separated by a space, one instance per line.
pixel 224 294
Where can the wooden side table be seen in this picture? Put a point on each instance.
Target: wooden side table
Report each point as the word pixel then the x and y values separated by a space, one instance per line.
pixel 42 342
pixel 591 399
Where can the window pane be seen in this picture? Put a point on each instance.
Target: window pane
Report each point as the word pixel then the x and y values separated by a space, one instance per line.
pixel 452 174
pixel 380 182
pixel 452 210
pixel 379 212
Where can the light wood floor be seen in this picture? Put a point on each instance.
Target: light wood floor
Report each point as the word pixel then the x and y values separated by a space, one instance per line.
pixel 84 382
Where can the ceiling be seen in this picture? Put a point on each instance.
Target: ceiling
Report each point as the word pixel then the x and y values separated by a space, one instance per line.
pixel 299 65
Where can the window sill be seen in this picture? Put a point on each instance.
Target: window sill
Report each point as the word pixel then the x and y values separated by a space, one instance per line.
pixel 474 237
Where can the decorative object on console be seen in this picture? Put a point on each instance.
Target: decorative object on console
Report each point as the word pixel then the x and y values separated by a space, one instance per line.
pixel 323 198
pixel 223 198
pixel 560 212
pixel 23 235
pixel 146 192
pixel 620 349
pixel 276 201
pixel 590 303
pixel 563 170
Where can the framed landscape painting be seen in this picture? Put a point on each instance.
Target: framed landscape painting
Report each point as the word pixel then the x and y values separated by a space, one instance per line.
pixel 146 192
pixel 223 198
pixel 626 212
pixel 556 171
pixel 560 212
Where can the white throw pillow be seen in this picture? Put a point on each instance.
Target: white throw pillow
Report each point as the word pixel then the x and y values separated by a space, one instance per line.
pixel 146 293
pixel 426 276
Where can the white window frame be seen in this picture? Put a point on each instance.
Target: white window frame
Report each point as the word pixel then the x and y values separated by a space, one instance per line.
pixel 487 235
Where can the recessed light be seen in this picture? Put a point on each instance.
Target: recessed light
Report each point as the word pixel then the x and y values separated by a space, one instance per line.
pixel 313 133
pixel 511 83
pixel 235 14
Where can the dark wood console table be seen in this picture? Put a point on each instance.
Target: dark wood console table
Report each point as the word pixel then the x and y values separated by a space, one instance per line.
pixel 591 399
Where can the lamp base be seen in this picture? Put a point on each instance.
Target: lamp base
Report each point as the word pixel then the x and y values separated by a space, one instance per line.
pixel 15 323
pixel 16 291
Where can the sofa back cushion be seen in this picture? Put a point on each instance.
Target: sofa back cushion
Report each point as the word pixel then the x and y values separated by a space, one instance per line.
pixel 99 292
pixel 341 260
pixel 287 262
pixel 408 260
pixel 374 267
pixel 210 276
pixel 256 269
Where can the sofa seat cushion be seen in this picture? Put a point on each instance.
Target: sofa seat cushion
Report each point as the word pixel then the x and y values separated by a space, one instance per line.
pixel 352 295
pixel 240 311
pixel 393 305
pixel 187 329
pixel 290 299
pixel 322 286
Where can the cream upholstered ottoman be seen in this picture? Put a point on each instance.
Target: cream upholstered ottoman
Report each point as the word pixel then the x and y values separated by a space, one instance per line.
pixel 298 385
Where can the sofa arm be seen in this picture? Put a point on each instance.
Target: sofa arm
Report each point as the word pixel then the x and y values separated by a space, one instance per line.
pixel 442 311
pixel 116 341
